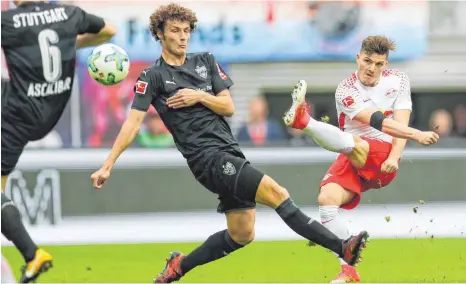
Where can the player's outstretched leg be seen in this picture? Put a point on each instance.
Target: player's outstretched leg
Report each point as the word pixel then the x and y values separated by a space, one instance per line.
pixel 330 138
pixel 37 260
pixel 172 271
pixel 240 232
pixel 327 136
pixel 270 193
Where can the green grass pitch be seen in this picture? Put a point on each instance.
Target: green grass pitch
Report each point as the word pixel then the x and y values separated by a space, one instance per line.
pixel 386 260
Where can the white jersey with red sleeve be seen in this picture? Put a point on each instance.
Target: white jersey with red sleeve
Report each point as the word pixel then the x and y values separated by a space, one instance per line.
pixel 392 92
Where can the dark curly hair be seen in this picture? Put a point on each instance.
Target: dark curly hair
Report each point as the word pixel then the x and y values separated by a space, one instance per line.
pixel 172 11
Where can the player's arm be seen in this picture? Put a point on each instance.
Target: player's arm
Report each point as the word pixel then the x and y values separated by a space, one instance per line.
pixel 92 30
pixel 130 129
pixel 90 39
pixel 222 102
pixel 401 116
pixel 401 113
pixel 376 119
pixel 128 133
pixel 352 105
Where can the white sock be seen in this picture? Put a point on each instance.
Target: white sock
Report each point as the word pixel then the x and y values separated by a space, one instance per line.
pixel 330 137
pixel 332 220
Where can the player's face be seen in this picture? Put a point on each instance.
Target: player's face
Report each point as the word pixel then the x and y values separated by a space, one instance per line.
pixel 370 67
pixel 176 37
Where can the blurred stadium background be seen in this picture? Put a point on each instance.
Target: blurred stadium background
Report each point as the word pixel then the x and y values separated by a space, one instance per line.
pixel 265 46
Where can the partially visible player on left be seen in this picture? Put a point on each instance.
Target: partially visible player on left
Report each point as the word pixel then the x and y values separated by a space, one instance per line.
pixel 39 40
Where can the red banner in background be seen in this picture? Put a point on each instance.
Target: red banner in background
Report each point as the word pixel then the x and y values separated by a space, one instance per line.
pixel 105 108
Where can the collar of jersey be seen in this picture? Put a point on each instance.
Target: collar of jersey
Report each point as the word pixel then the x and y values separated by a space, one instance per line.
pixel 188 57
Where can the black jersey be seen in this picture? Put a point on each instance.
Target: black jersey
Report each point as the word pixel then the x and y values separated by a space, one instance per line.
pixel 197 130
pixel 39 42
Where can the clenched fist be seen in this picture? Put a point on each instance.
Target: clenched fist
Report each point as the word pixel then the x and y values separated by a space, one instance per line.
pixel 390 165
pixel 426 138
pixel 100 177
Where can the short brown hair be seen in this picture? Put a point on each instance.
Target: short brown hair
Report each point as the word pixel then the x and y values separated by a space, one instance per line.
pixel 378 44
pixel 172 11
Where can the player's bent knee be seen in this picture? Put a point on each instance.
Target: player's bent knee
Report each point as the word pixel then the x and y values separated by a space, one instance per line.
pixel 333 194
pixel 270 193
pixel 242 235
pixel 326 198
pixel 240 225
pixel 358 156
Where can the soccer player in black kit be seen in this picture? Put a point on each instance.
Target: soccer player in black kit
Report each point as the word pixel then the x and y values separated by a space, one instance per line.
pixel 191 94
pixel 39 41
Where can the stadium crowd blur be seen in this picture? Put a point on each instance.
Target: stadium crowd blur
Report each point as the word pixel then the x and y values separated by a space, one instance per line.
pixel 260 130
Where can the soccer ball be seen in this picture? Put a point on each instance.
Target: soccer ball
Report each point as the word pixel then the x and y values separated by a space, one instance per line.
pixel 108 64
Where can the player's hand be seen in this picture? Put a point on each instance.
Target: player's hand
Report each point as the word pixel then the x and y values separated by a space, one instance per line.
pixel 390 165
pixel 100 177
pixel 184 98
pixel 426 138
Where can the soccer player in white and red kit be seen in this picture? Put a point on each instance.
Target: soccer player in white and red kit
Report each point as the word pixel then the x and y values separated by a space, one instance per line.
pixel 374 107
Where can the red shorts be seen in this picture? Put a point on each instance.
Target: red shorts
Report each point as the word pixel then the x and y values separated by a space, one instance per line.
pixel 343 173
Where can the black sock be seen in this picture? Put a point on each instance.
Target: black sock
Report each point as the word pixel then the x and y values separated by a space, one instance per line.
pixel 13 229
pixel 307 227
pixel 216 246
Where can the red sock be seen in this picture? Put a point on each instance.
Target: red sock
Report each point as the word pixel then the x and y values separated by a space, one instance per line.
pixel 303 116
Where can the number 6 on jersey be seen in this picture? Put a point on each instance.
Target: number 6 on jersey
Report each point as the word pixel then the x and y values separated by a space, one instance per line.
pixel 51 55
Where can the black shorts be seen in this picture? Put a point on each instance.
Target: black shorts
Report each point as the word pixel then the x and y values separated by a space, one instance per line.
pixel 230 176
pixel 13 143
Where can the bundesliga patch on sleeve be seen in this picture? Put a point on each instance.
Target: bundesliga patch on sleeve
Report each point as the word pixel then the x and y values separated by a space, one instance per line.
pixel 141 87
pixel 348 101
pixel 220 72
